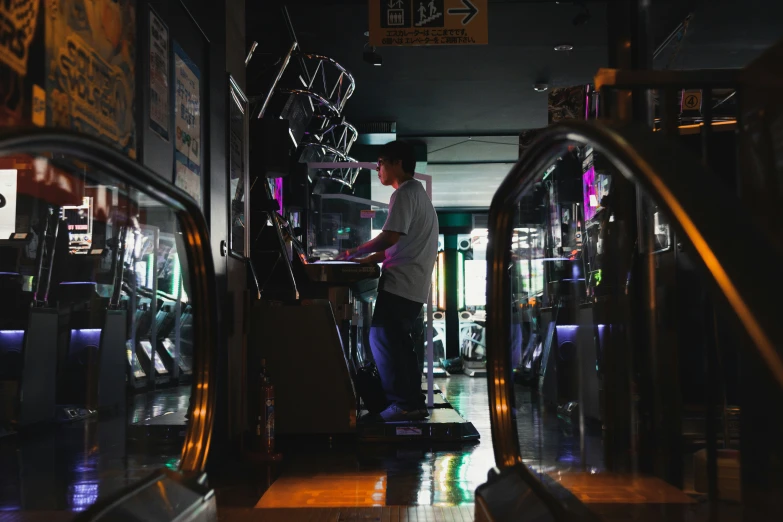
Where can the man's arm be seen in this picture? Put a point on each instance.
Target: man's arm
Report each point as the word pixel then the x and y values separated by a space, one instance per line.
pixel 384 240
pixel 373 259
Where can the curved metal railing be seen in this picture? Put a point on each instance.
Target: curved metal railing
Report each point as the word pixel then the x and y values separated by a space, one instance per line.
pixel 200 264
pixel 698 206
pixel 322 153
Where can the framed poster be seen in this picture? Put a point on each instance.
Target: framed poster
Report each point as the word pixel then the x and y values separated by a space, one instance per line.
pixel 21 32
pixel 159 115
pixel 237 169
pixel 187 137
pixel 90 69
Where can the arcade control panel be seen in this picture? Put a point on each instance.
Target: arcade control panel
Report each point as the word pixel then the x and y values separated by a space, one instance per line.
pixel 340 272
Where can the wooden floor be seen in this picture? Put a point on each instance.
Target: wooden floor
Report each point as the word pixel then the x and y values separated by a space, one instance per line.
pixel 379 514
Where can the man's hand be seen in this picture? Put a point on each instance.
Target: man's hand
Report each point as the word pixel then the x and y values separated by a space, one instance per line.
pixel 373 259
pixel 384 240
pixel 346 255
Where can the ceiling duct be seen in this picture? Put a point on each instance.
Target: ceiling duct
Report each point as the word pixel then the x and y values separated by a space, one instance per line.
pixel 377 133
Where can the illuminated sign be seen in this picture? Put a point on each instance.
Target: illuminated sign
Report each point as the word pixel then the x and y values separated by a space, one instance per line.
pixel 428 22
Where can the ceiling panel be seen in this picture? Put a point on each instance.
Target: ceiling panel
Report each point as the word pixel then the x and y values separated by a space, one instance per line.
pixel 457 186
pixel 472 149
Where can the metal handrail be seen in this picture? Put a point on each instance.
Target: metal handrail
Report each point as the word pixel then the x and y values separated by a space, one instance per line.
pixel 200 264
pixel 698 206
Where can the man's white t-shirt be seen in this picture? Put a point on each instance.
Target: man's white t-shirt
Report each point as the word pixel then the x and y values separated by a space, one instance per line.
pixel 407 268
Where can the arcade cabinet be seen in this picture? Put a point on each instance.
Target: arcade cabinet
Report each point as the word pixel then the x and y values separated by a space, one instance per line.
pixel 306 326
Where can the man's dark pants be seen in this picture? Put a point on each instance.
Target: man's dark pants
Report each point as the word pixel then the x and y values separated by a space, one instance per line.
pixel 393 349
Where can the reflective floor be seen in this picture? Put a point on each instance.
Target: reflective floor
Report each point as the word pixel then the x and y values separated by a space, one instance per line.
pixel 370 474
pixel 51 476
pixel 61 471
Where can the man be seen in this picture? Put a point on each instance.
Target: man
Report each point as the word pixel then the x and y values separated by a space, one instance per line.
pixel 407 246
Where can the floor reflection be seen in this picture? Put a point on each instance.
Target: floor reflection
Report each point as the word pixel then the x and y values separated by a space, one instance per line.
pixel 67 468
pixel 548 443
pixel 373 474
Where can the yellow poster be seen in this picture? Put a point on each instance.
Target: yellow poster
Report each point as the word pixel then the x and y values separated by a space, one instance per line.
pixel 90 53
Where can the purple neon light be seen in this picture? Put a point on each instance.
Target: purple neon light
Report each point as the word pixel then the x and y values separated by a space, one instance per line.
pixel 11 341
pixel 9 273
pixel 279 194
pixel 85 337
pixel 79 283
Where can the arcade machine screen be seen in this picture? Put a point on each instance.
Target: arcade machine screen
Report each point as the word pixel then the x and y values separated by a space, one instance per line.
pixel 276 191
pixel 595 188
pixel 159 366
pixel 79 221
pixel 7 203
pixel 141 252
pixel 169 268
pixel 554 218
pixel 527 244
pixel 476 270
pixel 138 371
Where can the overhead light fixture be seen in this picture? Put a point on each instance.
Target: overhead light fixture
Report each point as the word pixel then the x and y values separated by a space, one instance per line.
pixel 564 47
pixel 372 57
pixel 540 87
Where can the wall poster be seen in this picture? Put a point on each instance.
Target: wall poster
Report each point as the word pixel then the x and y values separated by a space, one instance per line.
pixel 90 68
pixel 187 104
pixel 159 77
pixel 20 22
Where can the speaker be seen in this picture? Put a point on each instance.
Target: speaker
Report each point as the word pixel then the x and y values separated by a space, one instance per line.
pixel 464 244
pixel 271 148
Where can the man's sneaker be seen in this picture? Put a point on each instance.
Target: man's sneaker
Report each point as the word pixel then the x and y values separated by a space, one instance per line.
pixel 396 414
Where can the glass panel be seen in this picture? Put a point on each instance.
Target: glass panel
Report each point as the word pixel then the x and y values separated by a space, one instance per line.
pixel 96 334
pixel 238 108
pixel 340 222
pixel 472 299
pixel 613 403
pixel 438 305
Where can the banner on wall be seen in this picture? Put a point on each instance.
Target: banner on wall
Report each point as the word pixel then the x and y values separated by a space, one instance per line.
pixel 19 25
pixel 187 137
pixel 159 77
pixel 90 59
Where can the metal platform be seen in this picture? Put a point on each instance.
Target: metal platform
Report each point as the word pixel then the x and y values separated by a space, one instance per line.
pixel 476 368
pixel 438 372
pixel 443 425
pixel 166 430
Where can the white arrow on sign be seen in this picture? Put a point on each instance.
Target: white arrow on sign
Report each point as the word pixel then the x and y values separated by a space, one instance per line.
pixel 469 10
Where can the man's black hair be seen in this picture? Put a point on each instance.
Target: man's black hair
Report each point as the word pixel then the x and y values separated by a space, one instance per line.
pixel 399 151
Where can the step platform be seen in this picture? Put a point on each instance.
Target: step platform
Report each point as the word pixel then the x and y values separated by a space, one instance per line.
pixel 443 425
pixel 166 430
pixel 476 368
pixel 438 372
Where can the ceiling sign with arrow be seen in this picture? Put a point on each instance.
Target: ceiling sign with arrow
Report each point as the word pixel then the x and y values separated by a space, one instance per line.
pixel 428 22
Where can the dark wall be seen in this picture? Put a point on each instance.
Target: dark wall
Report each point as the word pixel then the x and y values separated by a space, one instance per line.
pixel 200 28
